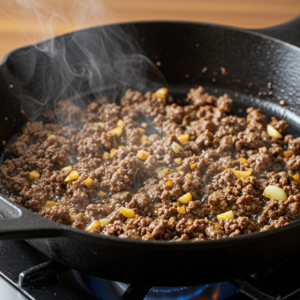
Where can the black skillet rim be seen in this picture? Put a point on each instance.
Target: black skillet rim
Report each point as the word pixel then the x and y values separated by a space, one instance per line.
pixel 112 241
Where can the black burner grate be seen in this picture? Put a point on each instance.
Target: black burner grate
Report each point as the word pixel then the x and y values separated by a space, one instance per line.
pixel 31 273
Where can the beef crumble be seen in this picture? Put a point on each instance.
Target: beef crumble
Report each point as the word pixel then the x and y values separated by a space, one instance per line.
pixel 202 175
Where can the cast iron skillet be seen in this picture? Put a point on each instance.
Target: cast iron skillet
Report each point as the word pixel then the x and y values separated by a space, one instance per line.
pixel 252 60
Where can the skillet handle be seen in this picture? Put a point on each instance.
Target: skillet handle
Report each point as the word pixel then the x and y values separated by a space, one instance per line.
pixel 288 32
pixel 18 223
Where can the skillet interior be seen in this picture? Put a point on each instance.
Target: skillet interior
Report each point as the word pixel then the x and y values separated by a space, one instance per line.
pixel 183 49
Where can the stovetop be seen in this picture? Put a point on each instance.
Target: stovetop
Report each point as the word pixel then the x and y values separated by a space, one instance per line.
pixel 27 274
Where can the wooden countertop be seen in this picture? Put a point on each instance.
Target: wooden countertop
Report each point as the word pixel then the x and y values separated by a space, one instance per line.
pixel 20 26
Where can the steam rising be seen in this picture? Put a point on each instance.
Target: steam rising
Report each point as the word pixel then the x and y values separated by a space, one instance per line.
pixel 71 67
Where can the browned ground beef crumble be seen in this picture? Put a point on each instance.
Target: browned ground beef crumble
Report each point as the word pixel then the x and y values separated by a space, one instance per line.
pixel 216 141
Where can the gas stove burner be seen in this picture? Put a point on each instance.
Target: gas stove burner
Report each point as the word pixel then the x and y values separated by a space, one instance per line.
pixel 165 293
pixel 113 290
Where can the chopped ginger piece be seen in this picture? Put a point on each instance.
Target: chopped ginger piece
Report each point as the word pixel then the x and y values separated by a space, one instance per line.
pixel 296 177
pixel 50 203
pixel 193 166
pixel 169 183
pixel 287 153
pixel 89 182
pixel 105 155
pixel 143 138
pixel 12 199
pixel 52 136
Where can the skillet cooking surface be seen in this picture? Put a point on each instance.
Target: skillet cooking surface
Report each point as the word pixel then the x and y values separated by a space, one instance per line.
pixel 183 49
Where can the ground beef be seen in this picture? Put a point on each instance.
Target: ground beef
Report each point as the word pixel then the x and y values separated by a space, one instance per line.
pixel 137 185
pixel 277 223
pixel 273 210
pixel 97 211
pixel 214 233
pixel 58 214
pixel 241 225
pixel 260 162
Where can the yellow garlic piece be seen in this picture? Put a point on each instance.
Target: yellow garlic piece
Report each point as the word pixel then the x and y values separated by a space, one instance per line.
pixel 121 123
pixel 92 226
pixel 101 124
pixel 242 174
pixel 272 132
pixel 143 155
pixel 181 210
pixel 275 192
pixel 68 168
pixel 184 138
pixel 161 93
pixel 127 212
pixel 118 131
pixel 34 174
pixel 226 215
pixel 178 160
pixel 101 194
pixel 163 173
pixel 72 176
pixel 243 160
pixel 104 221
pixel 141 130
pixel 185 198
pixel 176 147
